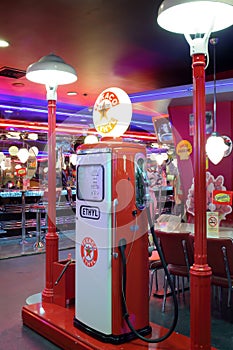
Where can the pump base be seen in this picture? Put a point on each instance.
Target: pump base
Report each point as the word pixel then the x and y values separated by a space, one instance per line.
pixel 111 338
pixel 55 323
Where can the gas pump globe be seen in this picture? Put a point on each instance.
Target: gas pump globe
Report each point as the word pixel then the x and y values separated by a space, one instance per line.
pixel 112 112
pixel 111 227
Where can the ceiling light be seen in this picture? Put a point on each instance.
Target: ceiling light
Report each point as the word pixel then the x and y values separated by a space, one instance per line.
pixel 159 159
pixel 73 159
pixel 18 84
pixel 51 70
pixel 215 148
pixel 90 139
pixel 13 135
pixel 2 165
pixel 33 151
pixel 23 155
pixel 4 43
pixel 32 136
pixel 2 156
pixel 194 17
pixel 72 93
pixel 152 156
pixel 13 150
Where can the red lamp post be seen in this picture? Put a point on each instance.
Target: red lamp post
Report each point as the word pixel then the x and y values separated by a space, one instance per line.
pixel 196 17
pixel 200 272
pixel 51 236
pixel 51 71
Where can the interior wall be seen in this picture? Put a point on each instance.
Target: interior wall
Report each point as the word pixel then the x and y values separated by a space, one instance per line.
pixel 179 116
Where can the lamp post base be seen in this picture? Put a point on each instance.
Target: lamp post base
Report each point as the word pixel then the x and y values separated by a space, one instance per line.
pixel 200 300
pixel 51 257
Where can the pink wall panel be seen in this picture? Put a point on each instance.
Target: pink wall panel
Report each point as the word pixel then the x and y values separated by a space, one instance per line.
pixel 179 116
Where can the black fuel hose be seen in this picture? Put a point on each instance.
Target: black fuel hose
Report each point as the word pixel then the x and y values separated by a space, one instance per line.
pixel 122 247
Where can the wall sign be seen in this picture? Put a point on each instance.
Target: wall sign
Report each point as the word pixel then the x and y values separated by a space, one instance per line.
pixel 222 197
pixel 163 129
pixel 212 221
pixel 184 149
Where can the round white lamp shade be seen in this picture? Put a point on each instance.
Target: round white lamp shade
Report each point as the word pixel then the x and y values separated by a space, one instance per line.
pixel 13 150
pixel 153 156
pixel 195 16
pixel 112 112
pixel 32 136
pixel 159 159
pixel 91 139
pixel 51 70
pixel 33 151
pixel 73 159
pixel 23 155
pixel 215 148
pixel 2 156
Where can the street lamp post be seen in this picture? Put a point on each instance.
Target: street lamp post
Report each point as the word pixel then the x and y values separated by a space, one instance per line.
pixel 51 71
pixel 198 18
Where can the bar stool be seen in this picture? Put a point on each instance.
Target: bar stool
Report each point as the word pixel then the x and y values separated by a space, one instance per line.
pixel 38 208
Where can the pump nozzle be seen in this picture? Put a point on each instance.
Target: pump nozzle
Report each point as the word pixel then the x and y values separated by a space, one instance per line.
pixel 123 243
pixel 146 182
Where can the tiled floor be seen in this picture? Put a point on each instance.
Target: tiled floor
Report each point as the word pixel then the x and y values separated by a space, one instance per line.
pixel 24 276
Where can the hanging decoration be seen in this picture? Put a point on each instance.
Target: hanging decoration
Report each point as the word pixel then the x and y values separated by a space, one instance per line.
pixel 216 147
pixel 23 155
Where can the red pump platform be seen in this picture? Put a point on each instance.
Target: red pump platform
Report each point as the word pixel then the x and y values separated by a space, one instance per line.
pixel 55 323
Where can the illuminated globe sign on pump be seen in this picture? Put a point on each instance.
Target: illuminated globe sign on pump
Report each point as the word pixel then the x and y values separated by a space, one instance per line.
pixel 112 112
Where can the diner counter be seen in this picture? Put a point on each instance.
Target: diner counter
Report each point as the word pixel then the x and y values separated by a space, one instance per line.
pixel 187 227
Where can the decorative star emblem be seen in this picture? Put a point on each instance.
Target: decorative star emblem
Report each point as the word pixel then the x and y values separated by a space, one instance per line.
pixel 88 251
pixel 103 111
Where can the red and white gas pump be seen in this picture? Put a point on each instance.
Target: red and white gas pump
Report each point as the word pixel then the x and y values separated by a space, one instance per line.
pixel 109 213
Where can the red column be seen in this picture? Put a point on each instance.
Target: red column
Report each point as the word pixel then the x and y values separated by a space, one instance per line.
pixel 51 236
pixel 200 273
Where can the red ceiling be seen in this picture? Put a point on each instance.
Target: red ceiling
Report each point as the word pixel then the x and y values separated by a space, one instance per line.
pixel 110 43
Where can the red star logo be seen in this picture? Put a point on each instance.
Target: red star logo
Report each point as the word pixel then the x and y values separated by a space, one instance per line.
pixel 88 251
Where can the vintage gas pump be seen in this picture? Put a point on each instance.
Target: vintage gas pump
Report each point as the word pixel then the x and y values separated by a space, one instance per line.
pixel 112 297
pixel 110 203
